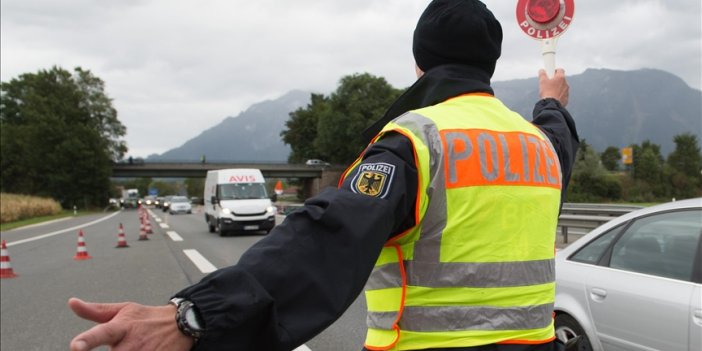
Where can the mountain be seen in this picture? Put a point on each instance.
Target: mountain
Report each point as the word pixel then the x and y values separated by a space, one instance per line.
pixel 610 108
pixel 253 135
pixel 619 108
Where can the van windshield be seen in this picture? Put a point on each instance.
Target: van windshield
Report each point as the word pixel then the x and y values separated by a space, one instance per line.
pixel 238 191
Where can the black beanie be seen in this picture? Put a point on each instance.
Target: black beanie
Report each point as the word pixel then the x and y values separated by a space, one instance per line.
pixel 457 32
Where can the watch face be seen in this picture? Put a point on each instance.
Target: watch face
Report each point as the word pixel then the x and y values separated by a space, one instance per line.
pixel 192 320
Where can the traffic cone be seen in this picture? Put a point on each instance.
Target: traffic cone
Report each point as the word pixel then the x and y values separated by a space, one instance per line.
pixel 147 225
pixel 279 188
pixel 142 232
pixel 142 224
pixel 121 240
pixel 82 252
pixel 5 266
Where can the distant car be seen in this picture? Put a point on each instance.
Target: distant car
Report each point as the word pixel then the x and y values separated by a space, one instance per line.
pixel 180 204
pixel 316 162
pixel 150 200
pixel 635 283
pixel 166 203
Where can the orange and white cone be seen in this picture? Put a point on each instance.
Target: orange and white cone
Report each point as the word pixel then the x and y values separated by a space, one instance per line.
pixel 121 239
pixel 82 252
pixel 142 231
pixel 147 225
pixel 5 266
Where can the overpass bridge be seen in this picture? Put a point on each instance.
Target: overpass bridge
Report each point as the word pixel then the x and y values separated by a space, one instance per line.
pixel 199 170
pixel 312 178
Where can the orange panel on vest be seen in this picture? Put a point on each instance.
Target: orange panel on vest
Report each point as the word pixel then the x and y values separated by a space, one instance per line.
pixel 475 157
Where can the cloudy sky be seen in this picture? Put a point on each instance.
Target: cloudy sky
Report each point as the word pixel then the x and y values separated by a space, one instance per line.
pixel 175 68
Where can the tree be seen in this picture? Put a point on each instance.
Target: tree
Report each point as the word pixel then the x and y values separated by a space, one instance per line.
pixel 683 167
pixel 647 172
pixel 359 101
pixel 610 158
pixel 589 180
pixel 195 187
pixel 302 129
pixel 686 158
pixel 653 162
pixel 59 135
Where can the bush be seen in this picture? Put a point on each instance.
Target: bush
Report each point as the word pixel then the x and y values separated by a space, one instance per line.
pixel 585 187
pixel 15 207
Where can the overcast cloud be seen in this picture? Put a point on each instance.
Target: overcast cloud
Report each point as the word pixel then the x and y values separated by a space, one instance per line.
pixel 175 68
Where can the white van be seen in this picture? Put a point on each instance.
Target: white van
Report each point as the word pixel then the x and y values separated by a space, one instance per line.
pixel 236 201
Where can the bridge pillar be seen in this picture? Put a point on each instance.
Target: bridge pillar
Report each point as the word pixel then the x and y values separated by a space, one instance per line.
pixel 330 178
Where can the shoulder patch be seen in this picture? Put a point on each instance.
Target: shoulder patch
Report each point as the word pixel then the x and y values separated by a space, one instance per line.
pixel 373 179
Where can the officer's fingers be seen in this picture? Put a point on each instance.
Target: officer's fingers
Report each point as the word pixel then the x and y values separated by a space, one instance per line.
pixel 96 312
pixel 101 334
pixel 542 74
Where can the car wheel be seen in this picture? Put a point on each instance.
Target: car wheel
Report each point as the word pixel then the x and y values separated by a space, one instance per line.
pixel 567 328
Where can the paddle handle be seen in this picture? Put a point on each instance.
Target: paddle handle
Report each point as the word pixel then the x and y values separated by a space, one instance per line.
pixel 548 51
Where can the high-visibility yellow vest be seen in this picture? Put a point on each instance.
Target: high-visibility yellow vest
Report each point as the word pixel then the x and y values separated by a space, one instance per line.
pixel 478 266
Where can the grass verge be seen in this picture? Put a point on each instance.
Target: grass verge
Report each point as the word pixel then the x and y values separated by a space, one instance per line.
pixel 36 220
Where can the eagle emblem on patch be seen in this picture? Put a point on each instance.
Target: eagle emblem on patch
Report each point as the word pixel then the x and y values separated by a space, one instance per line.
pixel 373 179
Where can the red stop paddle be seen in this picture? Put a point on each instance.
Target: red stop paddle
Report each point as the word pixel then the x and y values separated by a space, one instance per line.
pixel 545 20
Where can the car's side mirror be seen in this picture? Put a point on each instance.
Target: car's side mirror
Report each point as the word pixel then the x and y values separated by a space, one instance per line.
pixel 213 200
pixel 274 197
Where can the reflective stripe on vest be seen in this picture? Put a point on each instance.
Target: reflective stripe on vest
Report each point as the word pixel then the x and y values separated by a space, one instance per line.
pixel 478 267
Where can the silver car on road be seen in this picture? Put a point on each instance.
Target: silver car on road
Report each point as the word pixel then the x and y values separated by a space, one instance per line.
pixel 635 283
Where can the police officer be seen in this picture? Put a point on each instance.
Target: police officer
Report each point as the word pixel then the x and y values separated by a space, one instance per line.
pixel 448 219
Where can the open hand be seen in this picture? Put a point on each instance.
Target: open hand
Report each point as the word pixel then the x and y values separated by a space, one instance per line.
pixel 129 326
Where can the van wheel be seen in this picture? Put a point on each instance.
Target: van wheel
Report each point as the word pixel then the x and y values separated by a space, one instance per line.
pixel 210 226
pixel 221 232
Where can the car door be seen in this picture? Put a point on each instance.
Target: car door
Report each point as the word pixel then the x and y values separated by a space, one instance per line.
pixel 642 302
pixel 696 317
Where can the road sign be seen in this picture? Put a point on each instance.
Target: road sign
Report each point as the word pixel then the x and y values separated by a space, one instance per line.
pixel 545 20
pixel 627 155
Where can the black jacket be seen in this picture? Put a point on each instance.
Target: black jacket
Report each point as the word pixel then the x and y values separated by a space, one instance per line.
pixel 300 278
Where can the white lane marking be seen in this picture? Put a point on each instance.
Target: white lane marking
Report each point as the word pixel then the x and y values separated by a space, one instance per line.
pixel 42 223
pixel 43 236
pixel 200 261
pixel 303 348
pixel 164 225
pixel 157 219
pixel 174 236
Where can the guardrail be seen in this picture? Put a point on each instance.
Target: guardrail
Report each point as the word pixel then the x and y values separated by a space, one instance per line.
pixel 589 216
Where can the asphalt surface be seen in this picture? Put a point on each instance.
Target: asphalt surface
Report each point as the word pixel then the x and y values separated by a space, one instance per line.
pixel 33 309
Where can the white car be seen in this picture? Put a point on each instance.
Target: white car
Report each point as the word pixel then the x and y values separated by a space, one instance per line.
pixel 316 162
pixel 635 283
pixel 180 204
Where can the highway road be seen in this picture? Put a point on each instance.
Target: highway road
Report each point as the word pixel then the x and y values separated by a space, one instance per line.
pixel 33 310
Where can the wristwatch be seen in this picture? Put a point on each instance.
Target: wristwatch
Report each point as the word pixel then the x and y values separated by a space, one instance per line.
pixel 187 318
